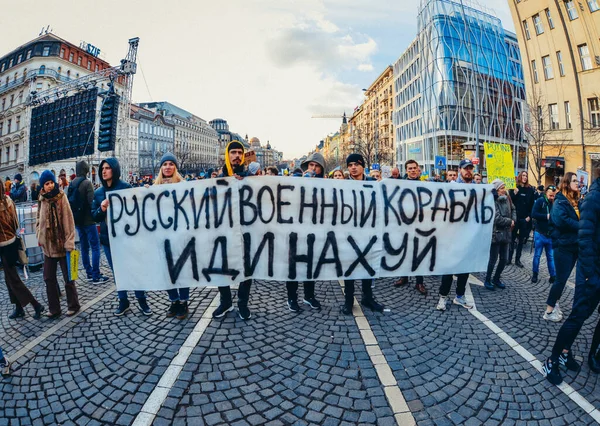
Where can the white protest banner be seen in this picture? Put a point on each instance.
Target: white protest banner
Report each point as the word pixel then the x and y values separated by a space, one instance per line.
pixel 220 231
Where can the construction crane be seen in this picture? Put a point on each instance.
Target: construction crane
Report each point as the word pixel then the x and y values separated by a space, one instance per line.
pixel 330 116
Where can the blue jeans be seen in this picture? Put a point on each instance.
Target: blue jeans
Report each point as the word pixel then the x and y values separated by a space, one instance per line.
pixel 182 294
pixel 1 354
pixel 88 237
pixel 543 242
pixel 122 294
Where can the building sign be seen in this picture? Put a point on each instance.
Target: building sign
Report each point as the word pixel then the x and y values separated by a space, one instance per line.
pixel 91 49
pixel 594 155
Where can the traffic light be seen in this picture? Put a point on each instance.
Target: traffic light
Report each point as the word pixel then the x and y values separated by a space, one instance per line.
pixel 107 132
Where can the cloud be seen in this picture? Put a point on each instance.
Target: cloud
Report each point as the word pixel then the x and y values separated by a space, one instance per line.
pixel 365 67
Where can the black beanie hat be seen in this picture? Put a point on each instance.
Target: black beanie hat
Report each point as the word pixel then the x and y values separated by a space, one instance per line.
pixel 235 145
pixel 355 158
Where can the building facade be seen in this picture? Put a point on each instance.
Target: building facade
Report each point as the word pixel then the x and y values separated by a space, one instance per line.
pixel 155 136
pixel 560 46
pixel 38 65
pixel 459 84
pixel 225 136
pixel 196 142
pixel 265 155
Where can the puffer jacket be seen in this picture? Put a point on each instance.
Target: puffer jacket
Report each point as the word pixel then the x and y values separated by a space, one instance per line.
pixel 65 217
pixel 100 195
pixel 589 233
pixel 565 223
pixel 506 213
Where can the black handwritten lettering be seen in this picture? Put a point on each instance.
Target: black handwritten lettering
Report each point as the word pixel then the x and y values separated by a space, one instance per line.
pixel 250 264
pixel 295 258
pixel 178 208
pixel 330 242
pixel 220 242
pixel 361 256
pixel 310 205
pixel 113 219
pixel 245 204
pixel 170 221
pixel 485 208
pixel 431 246
pixel 281 203
pixel 389 249
pixel 456 205
pixel 134 211
pixel 197 211
pixel 227 207
pixel 147 197
pixel 412 203
pixel 333 206
pixel 259 197
pixel 370 212
pixel 387 205
pixel 441 204
pixel 425 197
pixel 345 207
pixel 188 251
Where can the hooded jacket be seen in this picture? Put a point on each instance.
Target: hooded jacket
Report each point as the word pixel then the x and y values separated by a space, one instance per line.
pixel 18 191
pixel 565 223
pixel 100 195
pixel 589 233
pixel 86 192
pixel 316 157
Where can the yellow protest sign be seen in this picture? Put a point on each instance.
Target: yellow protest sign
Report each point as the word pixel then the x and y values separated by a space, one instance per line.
pixel 499 163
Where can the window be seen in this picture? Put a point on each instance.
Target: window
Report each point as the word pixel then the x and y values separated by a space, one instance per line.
pixel 70 57
pixel 7 153
pixel 8 126
pixel 550 21
pixel 553 116
pixel 20 97
pixel 3 104
pixel 19 59
pixel 89 64
pixel 526 28
pixel 18 123
pixel 12 100
pixel 43 69
pixel 16 151
pixel 571 9
pixel 97 67
pixel 537 22
pixel 62 53
pixel 593 5
pixel 548 73
pixel 584 54
pixel 79 59
pixel 561 67
pixel 68 73
pixel 3 66
pixel 534 70
pixel 46 51
pixel 568 115
pixel 28 54
pixel 10 63
pixel 594 107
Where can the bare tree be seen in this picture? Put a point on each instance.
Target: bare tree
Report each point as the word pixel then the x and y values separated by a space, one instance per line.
pixel 540 135
pixel 369 147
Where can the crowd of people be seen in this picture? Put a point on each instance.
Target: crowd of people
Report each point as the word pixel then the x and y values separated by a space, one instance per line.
pixel 564 226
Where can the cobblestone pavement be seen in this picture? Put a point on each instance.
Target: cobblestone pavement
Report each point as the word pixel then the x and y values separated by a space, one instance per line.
pixel 283 368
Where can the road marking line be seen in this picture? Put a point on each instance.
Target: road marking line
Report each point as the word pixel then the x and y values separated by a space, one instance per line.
pixel 61 325
pixel 385 374
pixel 165 384
pixel 575 396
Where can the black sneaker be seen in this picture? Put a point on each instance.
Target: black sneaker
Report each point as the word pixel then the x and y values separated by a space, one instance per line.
pixel 552 279
pixel 534 278
pixel 90 278
pixel 313 303
pixel 347 308
pixel 518 263
pixel 489 285
pixel 143 303
pixel 293 305
pixel 38 311
pixel 244 312
pixel 123 307
pixel 499 284
pixel 552 372
pixel 567 361
pixel 372 304
pixel 222 310
pixel 173 309
pixel 5 366
pixel 183 311
pixel 18 312
pixel 594 362
pixel 102 279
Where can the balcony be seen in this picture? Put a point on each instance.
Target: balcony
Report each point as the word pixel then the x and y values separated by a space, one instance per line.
pixel 47 72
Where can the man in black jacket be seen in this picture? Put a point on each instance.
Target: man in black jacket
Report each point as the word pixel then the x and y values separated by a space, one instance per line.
pixel 523 198
pixel 542 208
pixel 234 166
pixel 587 292
pixel 85 223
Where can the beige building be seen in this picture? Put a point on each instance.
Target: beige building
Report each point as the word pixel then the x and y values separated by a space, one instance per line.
pixel 560 50
pixel 371 126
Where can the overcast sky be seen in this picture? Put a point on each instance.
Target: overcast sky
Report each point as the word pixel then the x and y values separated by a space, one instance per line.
pixel 265 66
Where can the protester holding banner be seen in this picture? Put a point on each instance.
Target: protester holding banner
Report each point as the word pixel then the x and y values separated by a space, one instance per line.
pixel 413 172
pixel 522 197
pixel 18 293
pixel 587 292
pixel 504 221
pixel 110 177
pixel 179 297
pixel 234 166
pixel 356 168
pixel 451 175
pixel 542 240
pixel 55 229
pixel 565 226
pixel 466 176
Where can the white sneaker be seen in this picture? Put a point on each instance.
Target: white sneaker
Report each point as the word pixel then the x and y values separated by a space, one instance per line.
pixel 462 301
pixel 441 306
pixel 553 316
pixel 557 309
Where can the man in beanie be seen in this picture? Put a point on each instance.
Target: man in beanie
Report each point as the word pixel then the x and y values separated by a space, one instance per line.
pixel 18 191
pixel 234 166
pixel 110 173
pixel 465 176
pixel 254 169
pixel 81 197
pixel 356 168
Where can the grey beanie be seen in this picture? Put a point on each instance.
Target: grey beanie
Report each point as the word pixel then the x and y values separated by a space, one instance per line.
pixel 168 156
pixel 497 184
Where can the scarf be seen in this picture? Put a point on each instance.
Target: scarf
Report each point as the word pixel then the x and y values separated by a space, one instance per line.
pixel 53 223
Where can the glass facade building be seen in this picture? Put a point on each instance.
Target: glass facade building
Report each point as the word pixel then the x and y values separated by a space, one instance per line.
pixel 460 81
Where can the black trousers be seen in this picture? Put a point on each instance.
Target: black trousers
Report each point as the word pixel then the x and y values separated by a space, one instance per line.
pixel 367 290
pixel 243 293
pixel 497 250
pixel 565 259
pixel 587 297
pixel 520 233
pixel 461 284
pixel 292 290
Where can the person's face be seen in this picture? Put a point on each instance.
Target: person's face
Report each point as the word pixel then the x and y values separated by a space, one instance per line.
pixel 270 172
pixel 524 178
pixel 574 185
pixel 235 156
pixel 213 175
pixel 355 170
pixel 550 194
pixel 412 170
pixel 467 174
pixel 451 175
pixel 395 173
pixel 376 175
pixel 49 186
pixel 338 174
pixel 168 169
pixel 106 172
pixel 477 179
pixel 315 168
pixel 502 190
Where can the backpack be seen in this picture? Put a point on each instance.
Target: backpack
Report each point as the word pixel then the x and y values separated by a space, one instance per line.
pixel 76 203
